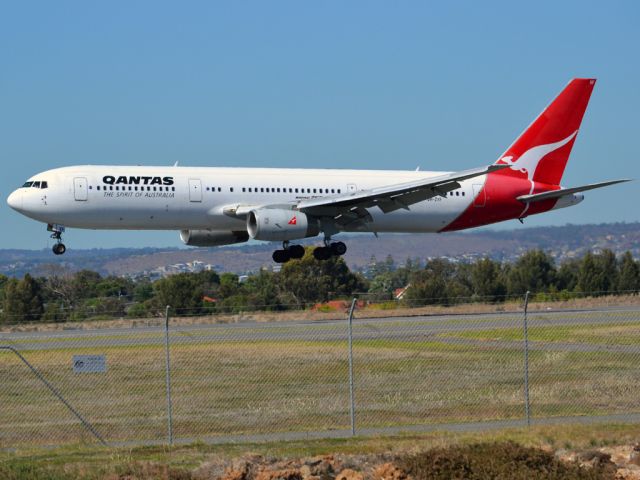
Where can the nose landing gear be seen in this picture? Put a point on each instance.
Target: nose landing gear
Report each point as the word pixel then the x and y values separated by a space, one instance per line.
pixel 57 231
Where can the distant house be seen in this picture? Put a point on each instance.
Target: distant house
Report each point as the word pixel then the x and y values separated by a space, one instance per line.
pixel 399 293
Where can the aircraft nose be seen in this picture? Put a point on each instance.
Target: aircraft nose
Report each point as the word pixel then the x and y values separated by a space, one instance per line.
pixel 15 200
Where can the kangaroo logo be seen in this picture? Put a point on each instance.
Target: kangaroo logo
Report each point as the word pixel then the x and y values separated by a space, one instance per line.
pixel 528 162
pixel 293 220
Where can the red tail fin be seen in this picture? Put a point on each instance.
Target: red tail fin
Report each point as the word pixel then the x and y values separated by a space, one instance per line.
pixel 542 150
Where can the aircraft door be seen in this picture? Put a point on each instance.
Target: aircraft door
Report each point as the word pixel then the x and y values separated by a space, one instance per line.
pixel 479 195
pixel 80 192
pixel 195 190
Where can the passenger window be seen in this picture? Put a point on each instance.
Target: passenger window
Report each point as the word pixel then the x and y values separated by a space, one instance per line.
pixel 231 189
pixel 98 187
pixel 296 190
pixel 338 190
pixel 333 190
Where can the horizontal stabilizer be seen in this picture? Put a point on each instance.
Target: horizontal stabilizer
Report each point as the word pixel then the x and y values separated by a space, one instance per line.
pixel 536 197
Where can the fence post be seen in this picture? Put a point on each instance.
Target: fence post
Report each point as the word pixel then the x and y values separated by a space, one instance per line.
pixel 168 376
pixel 527 410
pixel 352 407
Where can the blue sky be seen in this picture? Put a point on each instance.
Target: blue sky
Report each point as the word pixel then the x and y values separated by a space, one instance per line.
pixel 445 86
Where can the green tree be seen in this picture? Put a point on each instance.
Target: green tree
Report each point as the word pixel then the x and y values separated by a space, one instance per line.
pixel 629 274
pixel 309 280
pixel 85 285
pixel 23 300
pixel 143 291
pixel 533 271
pixel 598 274
pixel 262 291
pixel 183 292
pixel 567 277
pixel 114 287
pixel 487 281
pixel 430 285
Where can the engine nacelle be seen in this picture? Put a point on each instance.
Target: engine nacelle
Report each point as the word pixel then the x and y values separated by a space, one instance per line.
pixel 212 238
pixel 276 224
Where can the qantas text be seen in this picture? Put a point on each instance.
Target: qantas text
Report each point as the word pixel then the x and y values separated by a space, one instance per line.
pixel 131 180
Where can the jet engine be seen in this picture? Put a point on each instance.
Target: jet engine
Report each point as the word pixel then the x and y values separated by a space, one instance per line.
pixel 276 224
pixel 212 238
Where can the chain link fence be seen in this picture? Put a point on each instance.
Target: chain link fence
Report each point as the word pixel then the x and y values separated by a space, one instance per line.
pixel 191 379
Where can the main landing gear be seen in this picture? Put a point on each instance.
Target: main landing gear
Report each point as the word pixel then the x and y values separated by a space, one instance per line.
pixel 288 252
pixel 57 231
pixel 333 249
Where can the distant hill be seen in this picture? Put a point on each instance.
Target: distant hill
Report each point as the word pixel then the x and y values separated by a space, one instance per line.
pixel 564 242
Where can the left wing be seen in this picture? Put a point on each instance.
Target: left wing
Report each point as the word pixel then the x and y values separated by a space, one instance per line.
pixel 350 207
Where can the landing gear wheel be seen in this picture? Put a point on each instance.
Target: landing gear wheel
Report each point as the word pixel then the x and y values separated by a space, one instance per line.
pixel 322 253
pixel 296 251
pixel 57 231
pixel 281 256
pixel 338 248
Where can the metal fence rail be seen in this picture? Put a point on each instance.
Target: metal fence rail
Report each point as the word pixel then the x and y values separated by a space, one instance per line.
pixel 190 381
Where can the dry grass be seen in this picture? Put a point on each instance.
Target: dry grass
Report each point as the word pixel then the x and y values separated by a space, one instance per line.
pixel 96 463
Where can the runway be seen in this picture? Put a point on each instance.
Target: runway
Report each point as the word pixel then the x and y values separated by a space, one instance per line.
pixel 407 328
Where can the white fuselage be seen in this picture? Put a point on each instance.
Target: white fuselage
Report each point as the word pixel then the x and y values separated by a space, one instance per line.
pixel 176 198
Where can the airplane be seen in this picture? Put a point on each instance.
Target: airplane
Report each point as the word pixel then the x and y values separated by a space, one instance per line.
pixel 213 206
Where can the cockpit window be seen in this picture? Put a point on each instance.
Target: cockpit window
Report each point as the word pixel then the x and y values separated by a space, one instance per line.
pixel 36 184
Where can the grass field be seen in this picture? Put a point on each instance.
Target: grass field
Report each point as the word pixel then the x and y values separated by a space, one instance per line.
pixel 270 379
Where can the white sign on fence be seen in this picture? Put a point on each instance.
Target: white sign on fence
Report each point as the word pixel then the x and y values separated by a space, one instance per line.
pixel 89 363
